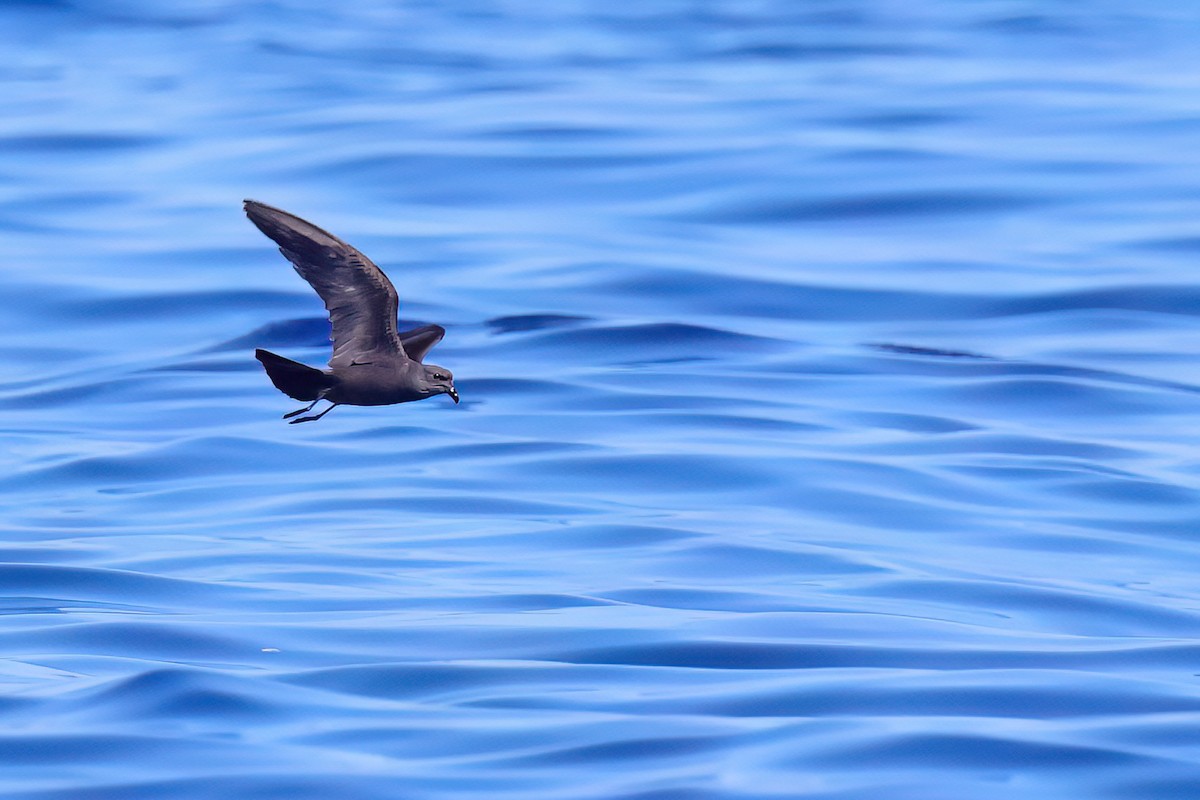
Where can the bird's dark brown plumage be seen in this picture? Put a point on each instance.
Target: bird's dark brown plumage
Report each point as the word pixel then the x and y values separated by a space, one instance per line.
pixel 372 363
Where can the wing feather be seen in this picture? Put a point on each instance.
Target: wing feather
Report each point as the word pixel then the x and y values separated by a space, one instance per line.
pixel 419 341
pixel 361 301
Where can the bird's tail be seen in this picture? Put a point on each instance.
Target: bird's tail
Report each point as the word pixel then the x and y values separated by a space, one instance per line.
pixel 298 381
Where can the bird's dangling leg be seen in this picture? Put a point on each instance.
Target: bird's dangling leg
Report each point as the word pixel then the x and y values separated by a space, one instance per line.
pixel 308 407
pixel 315 417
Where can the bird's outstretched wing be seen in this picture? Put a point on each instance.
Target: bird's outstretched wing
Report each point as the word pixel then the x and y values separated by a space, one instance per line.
pixel 362 302
pixel 420 341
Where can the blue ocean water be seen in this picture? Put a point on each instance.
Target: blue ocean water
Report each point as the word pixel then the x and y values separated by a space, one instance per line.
pixel 829 369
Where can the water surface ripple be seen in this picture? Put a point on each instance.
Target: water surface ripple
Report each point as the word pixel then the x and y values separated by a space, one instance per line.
pixel 829 377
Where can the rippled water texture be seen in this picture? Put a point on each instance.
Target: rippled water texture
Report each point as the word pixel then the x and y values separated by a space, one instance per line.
pixel 829 369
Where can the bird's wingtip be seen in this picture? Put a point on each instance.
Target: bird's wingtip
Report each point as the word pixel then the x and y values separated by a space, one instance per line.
pixel 253 207
pixel 269 218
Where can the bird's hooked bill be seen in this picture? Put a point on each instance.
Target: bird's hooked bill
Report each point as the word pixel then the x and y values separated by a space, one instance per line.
pixel 453 395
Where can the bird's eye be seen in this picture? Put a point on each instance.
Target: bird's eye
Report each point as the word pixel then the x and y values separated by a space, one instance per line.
pixel 437 376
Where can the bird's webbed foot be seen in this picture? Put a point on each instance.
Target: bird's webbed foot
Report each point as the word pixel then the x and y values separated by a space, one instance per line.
pixel 313 418
pixel 308 407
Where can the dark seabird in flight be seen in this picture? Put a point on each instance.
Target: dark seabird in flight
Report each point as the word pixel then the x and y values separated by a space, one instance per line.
pixel 372 364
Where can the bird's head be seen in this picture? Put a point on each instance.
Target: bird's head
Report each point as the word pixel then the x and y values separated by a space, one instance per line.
pixel 439 380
